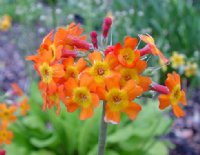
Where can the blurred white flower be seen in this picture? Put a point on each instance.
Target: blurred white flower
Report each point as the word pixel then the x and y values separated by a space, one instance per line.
pixel 140 13
pixel 43 17
pixel 58 11
pixel 41 30
pixel 131 11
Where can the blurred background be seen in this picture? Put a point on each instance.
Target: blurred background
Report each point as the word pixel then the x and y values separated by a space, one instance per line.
pixel 175 25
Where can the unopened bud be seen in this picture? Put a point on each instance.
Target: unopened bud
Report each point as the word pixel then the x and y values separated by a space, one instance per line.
pixel 94 39
pixel 69 53
pixel 160 88
pixel 145 50
pixel 106 26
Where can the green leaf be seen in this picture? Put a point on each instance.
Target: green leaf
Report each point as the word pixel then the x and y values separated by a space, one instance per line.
pixel 41 143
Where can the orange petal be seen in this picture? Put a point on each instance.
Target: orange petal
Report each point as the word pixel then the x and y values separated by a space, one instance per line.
pixel 141 66
pixel 81 64
pixel 58 71
pixel 112 116
pixel 17 89
pixel 101 93
pixel 130 42
pixel 68 62
pixel 170 82
pixel 95 100
pixel 132 89
pixel 117 48
pixel 111 59
pixel 164 101
pixel 132 110
pixel 178 112
pixel 85 80
pixel 183 99
pixel 146 38
pixel 95 56
pixel 176 77
pixel 112 81
pixel 71 106
pixel 144 82
pixel 86 113
pixel 70 85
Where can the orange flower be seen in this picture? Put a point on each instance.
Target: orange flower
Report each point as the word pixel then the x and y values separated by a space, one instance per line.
pixel 151 44
pixel 72 38
pixel 127 55
pixel 120 99
pixel 17 89
pixel 49 50
pixel 5 135
pixel 7 113
pixel 73 69
pixel 101 68
pixel 81 96
pixel 24 106
pixel 174 96
pixel 135 74
pixel 52 98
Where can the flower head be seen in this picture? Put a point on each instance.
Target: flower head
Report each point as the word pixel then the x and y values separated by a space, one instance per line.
pixel 127 54
pixel 177 60
pixel 191 69
pixel 7 113
pixel 174 96
pixel 81 96
pixel 5 135
pixel 5 23
pixel 120 99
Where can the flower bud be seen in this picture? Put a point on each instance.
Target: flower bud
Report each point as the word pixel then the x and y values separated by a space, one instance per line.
pixel 145 50
pixel 160 88
pixel 2 152
pixel 106 26
pixel 94 39
pixel 68 53
pixel 108 50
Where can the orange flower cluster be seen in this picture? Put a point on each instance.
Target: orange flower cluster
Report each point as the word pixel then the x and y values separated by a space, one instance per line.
pixel 8 113
pixel 80 74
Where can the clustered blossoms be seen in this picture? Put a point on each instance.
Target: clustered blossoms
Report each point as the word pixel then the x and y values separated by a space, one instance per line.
pixel 186 67
pixel 15 102
pixel 80 74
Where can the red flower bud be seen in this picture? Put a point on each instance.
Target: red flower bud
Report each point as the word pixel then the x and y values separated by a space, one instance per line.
pixel 94 39
pixel 78 43
pixel 68 53
pixel 145 50
pixel 160 88
pixel 106 26
pixel 109 49
pixel 2 152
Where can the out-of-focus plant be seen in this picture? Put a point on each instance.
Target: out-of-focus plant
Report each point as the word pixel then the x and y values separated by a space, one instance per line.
pixel 5 23
pixel 13 104
pixel 44 133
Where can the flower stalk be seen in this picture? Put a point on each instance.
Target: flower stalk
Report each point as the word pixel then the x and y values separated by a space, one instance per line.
pixel 102 134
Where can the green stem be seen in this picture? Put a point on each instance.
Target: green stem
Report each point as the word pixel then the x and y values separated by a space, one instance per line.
pixel 103 134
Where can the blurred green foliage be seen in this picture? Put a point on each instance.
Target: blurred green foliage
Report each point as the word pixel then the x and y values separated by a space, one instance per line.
pixel 44 133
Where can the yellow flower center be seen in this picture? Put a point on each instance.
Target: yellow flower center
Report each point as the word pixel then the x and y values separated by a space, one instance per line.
pixel 72 72
pixel 175 95
pixel 128 55
pixel 82 96
pixel 99 70
pixel 46 72
pixel 129 74
pixel 52 49
pixel 117 99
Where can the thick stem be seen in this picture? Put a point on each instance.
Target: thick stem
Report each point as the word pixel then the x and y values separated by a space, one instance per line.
pixel 103 133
